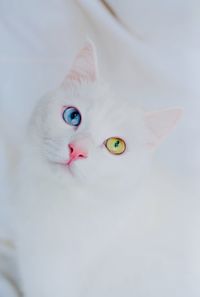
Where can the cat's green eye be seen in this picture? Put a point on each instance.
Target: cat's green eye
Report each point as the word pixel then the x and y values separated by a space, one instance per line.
pixel 115 145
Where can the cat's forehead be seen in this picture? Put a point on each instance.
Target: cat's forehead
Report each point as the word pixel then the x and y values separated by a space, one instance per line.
pixel 97 101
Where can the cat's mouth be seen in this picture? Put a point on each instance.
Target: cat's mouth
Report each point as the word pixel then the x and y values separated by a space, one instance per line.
pixel 73 159
pixel 66 165
pixel 70 169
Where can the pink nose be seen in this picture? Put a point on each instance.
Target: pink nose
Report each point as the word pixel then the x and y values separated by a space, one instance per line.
pixel 76 152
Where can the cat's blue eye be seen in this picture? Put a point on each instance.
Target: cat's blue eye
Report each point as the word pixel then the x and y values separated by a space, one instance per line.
pixel 72 116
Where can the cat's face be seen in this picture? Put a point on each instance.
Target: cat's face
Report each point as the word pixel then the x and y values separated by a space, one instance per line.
pixel 84 130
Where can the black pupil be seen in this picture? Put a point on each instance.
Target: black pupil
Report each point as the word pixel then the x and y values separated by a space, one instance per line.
pixel 117 143
pixel 74 114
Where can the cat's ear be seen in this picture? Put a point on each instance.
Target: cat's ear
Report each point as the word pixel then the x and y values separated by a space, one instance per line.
pixel 84 67
pixel 159 124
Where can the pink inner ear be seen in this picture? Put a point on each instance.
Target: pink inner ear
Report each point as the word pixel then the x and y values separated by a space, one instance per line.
pixel 84 67
pixel 160 124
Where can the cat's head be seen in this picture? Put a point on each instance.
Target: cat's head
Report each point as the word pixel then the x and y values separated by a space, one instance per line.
pixel 85 130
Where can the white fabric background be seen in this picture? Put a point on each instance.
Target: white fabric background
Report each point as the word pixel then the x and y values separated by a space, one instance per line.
pixel 153 62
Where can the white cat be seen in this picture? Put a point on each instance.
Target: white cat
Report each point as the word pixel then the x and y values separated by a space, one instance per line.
pixel 80 228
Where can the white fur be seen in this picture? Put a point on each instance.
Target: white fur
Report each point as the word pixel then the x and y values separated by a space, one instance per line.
pixel 89 230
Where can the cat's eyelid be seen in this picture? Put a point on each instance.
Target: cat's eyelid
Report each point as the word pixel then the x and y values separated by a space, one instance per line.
pixel 68 106
pixel 64 107
pixel 117 137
